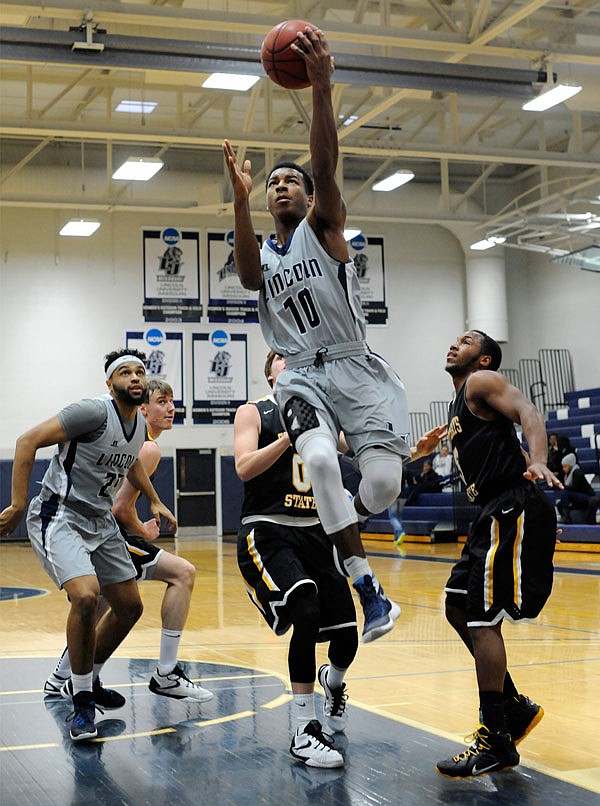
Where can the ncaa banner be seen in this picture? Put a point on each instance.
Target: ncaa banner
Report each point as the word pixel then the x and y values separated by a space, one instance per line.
pixel 228 301
pixel 164 361
pixel 220 372
pixel 368 257
pixel 171 275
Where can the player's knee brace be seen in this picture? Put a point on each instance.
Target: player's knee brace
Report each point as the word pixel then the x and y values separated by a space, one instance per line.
pixel 304 614
pixel 381 481
pixel 319 455
pixel 343 647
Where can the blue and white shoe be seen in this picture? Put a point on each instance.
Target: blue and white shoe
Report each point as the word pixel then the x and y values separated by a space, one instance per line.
pixel 380 612
pixel 83 725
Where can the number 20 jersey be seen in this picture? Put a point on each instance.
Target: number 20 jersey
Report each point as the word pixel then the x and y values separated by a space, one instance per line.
pixel 308 299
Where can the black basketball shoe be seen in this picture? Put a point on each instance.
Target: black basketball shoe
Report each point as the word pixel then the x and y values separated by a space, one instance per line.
pixel 522 715
pixel 490 752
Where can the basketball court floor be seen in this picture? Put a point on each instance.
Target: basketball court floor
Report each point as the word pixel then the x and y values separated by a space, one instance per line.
pixel 412 698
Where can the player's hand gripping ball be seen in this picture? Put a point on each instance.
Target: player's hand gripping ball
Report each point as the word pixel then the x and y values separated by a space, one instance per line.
pixel 281 63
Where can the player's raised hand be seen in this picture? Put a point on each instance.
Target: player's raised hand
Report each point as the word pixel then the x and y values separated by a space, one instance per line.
pixel 314 49
pixel 241 178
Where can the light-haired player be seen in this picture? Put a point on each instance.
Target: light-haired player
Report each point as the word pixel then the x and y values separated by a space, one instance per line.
pixel 152 563
pixel 71 526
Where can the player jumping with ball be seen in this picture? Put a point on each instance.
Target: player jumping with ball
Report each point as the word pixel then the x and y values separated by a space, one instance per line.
pixel 310 313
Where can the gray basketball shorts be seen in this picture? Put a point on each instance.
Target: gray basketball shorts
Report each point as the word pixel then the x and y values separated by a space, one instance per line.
pixel 360 395
pixel 69 545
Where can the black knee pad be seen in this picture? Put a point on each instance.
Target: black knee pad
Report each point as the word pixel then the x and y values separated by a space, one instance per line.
pixel 298 417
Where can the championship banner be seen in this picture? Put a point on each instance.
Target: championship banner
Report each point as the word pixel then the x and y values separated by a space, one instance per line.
pixel 370 268
pixel 228 301
pixel 164 361
pixel 171 275
pixel 220 372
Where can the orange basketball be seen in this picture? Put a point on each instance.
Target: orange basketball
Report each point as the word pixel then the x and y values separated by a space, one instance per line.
pixel 282 64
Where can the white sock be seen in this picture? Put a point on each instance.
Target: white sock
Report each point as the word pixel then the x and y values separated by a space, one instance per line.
pixel 335 676
pixel 169 647
pixel 357 567
pixel 304 708
pixel 81 682
pixel 97 670
pixel 63 667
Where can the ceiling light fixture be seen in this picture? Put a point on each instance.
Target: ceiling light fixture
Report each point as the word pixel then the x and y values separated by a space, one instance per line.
pixel 487 243
pixel 79 228
pixel 551 96
pixel 229 81
pixel 138 169
pixel 136 107
pixel 394 181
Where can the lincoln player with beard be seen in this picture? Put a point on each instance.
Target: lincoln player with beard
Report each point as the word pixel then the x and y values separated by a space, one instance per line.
pixel 71 526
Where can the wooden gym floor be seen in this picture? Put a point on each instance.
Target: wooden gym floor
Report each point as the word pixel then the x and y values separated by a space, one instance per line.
pixel 412 697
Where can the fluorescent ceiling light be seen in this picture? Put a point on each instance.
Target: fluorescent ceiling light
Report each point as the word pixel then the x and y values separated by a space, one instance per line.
pixel 394 181
pixel 487 243
pixel 351 233
pixel 138 169
pixel 551 97
pixel 229 81
pixel 80 228
pixel 136 107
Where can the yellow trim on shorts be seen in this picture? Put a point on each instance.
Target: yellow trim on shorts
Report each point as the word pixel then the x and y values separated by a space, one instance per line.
pixel 256 559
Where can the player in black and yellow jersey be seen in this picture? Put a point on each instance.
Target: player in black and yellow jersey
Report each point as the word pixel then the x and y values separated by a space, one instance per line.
pixel 505 569
pixel 292 572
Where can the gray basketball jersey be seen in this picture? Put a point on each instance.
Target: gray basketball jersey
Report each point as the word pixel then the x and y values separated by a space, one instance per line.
pixel 87 470
pixel 308 300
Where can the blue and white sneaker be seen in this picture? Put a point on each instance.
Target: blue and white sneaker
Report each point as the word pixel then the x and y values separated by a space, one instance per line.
pixel 380 612
pixel 83 724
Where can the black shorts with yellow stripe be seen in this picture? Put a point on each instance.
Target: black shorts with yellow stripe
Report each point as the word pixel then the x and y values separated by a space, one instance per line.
pixel 275 560
pixel 144 555
pixel 505 569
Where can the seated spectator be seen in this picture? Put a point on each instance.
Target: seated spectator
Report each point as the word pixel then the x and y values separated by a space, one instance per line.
pixel 558 448
pixel 427 482
pixel 578 492
pixel 442 464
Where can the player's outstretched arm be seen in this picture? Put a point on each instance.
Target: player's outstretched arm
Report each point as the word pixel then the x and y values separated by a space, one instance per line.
pixel 246 251
pixel 50 432
pixel 327 215
pixel 428 442
pixel 493 390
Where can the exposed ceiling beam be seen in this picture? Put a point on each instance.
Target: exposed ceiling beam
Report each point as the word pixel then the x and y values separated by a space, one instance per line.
pixel 260 141
pixel 186 19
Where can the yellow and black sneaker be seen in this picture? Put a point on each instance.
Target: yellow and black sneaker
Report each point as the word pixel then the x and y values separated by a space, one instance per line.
pixel 522 715
pixel 490 752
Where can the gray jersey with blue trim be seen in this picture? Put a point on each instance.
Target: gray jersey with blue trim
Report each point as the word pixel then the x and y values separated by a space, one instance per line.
pixel 87 470
pixel 308 300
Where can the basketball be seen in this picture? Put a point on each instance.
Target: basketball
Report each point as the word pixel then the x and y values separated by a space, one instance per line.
pixel 281 63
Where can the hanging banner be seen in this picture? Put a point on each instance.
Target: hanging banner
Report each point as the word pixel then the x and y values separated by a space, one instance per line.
pixel 368 256
pixel 164 361
pixel 171 275
pixel 220 372
pixel 228 300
